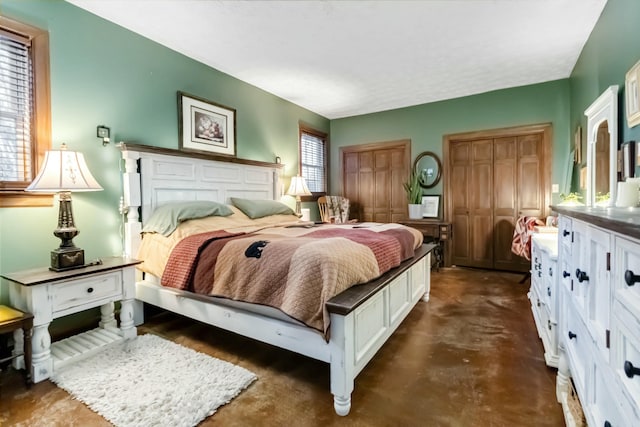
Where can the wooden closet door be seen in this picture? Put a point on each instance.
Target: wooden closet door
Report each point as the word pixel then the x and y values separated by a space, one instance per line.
pixel 372 178
pixel 460 201
pixel 505 210
pixel 481 213
pixel 491 181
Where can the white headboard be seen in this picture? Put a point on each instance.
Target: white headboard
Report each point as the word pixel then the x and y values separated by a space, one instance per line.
pixel 153 176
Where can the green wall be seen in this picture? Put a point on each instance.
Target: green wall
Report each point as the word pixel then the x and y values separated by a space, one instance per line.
pixel 427 124
pixel 102 74
pixel 612 49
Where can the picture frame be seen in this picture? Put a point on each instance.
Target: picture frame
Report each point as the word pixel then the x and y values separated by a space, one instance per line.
pixel 632 95
pixel 430 206
pixel 206 126
pixel 628 159
pixel 577 146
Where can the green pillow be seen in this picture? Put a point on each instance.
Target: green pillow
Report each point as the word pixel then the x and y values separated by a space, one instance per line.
pixel 166 218
pixel 261 208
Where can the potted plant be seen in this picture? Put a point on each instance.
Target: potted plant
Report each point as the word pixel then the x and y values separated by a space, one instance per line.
pixel 571 199
pixel 414 195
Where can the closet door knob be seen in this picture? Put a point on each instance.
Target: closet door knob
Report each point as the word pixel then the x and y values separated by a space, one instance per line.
pixel 572 335
pixel 631 278
pixel 630 370
pixel 581 275
pixel 566 274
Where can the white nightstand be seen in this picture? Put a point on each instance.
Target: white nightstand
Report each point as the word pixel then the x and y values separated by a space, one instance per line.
pixel 50 295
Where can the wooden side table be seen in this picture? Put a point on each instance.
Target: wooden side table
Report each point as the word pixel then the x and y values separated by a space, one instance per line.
pixel 12 320
pixel 50 295
pixel 435 231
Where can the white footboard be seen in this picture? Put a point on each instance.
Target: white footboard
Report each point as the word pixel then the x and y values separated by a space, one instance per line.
pixel 360 324
pixel 357 336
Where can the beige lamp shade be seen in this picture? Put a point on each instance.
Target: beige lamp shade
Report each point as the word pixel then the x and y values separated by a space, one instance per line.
pixel 64 170
pixel 298 187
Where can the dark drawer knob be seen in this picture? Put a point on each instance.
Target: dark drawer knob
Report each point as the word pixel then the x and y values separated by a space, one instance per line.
pixel 539 273
pixel 549 291
pixel 631 278
pixel 581 275
pixel 607 424
pixel 630 370
pixel 572 335
pixel 550 272
pixel 566 274
pixel 549 324
pixel 89 290
pixel 565 232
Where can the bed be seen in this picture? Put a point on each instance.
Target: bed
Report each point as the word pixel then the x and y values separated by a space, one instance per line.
pixel 359 319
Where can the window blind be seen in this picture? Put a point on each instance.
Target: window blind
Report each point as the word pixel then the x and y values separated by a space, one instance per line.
pixel 312 153
pixel 16 108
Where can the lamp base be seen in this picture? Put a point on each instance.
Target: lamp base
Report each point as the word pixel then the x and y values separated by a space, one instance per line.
pixel 63 259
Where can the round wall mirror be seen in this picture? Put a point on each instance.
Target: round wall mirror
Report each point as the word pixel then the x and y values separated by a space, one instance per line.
pixel 428 167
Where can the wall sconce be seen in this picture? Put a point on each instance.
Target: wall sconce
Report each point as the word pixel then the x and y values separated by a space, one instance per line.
pixel 104 133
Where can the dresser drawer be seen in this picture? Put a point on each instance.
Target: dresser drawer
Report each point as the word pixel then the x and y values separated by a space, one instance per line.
pixel 626 355
pixel 88 292
pixel 627 263
pixel 579 347
pixel 564 233
pixel 606 405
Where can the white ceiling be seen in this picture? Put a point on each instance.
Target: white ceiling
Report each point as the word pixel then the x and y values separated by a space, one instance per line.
pixel 345 58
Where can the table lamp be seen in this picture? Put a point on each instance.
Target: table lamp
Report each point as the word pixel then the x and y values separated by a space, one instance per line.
pixel 298 188
pixel 65 171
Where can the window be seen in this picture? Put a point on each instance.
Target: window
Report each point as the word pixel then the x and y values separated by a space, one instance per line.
pixel 25 117
pixel 313 160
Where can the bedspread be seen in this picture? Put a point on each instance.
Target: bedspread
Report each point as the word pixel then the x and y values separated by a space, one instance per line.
pixel 296 270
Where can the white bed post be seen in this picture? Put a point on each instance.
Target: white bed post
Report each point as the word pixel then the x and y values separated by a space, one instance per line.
pixel 343 371
pixel 132 226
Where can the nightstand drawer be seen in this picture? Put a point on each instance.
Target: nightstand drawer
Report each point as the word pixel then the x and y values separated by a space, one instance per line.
pixel 84 292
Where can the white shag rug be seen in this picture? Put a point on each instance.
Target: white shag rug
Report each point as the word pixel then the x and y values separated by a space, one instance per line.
pixel 150 381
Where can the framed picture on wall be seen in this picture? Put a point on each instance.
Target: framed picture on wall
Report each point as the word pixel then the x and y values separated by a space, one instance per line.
pixel 577 146
pixel 632 95
pixel 206 126
pixel 430 206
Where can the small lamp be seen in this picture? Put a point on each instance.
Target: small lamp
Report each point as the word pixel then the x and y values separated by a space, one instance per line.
pixel 63 172
pixel 298 188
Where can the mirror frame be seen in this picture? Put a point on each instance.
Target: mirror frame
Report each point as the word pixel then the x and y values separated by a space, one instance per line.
pixel 438 163
pixel 605 108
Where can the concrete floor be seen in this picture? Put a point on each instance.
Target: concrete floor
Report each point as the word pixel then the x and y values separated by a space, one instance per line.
pixel 468 357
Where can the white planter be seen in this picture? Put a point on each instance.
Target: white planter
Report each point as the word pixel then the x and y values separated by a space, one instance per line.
pixel 415 211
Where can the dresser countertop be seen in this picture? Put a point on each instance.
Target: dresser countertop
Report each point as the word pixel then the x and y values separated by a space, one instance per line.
pixel 625 221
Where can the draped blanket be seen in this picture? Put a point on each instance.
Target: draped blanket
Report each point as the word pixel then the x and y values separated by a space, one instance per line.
pixel 295 270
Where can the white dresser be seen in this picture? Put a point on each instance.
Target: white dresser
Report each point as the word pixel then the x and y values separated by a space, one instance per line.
pixel 544 291
pixel 599 314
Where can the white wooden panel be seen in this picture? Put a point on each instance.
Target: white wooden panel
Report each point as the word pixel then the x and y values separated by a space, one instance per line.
pixel 418 278
pixel 398 298
pixel 173 170
pixel 370 323
pixel 220 172
pixel 258 176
